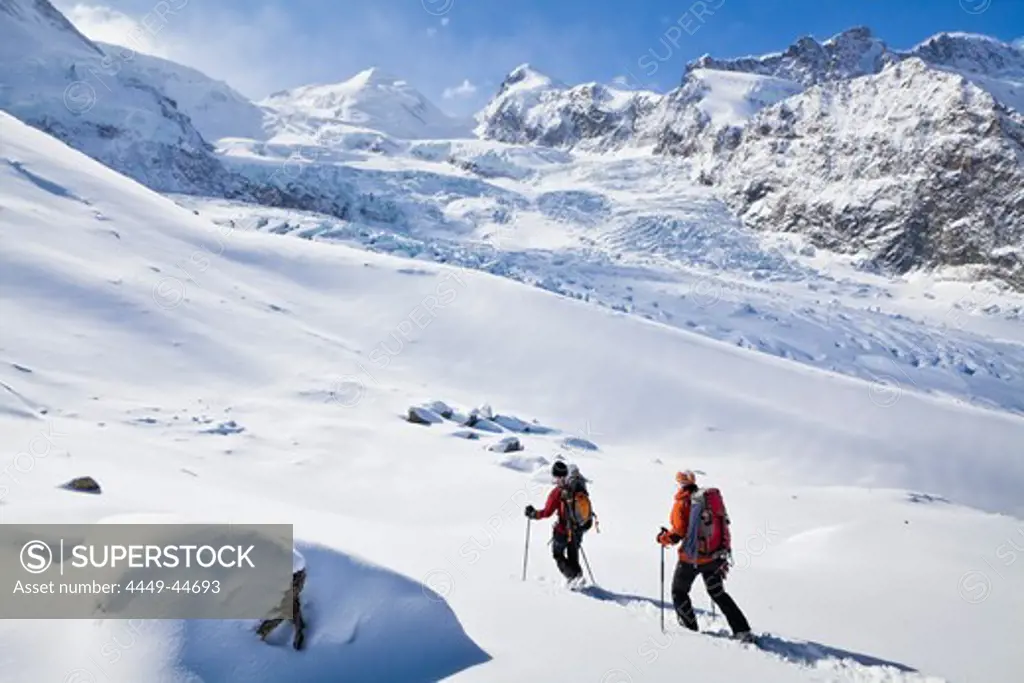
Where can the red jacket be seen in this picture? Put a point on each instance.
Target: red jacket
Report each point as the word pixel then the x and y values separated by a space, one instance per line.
pixel 555 504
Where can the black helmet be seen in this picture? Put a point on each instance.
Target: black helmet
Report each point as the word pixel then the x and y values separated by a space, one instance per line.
pixel 559 469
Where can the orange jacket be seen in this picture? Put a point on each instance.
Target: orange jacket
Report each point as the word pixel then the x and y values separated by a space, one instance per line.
pixel 679 521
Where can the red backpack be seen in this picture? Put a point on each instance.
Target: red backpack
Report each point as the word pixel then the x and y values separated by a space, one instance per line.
pixel 713 538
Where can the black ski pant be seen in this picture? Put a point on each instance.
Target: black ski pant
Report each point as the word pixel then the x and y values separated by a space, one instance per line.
pixel 711 572
pixel 566 551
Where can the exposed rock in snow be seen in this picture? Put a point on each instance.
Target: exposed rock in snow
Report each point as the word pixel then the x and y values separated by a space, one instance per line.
pixel 512 423
pixel 483 424
pixel 507 445
pixel 82 484
pixel 442 409
pixel 915 497
pixel 225 428
pixel 482 418
pixel 578 443
pixel 423 416
pixel 525 463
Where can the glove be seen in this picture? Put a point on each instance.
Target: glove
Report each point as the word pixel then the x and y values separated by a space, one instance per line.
pixel 666 537
pixel 531 512
pixel 724 571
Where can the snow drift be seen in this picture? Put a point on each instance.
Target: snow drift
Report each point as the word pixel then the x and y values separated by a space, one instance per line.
pixel 360 618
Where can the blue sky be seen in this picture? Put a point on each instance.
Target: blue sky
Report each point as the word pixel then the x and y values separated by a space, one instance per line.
pixel 457 51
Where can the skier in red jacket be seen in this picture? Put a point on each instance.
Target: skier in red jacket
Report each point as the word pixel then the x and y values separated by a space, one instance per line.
pixel 565 541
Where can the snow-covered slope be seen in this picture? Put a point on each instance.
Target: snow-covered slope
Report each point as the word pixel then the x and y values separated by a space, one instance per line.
pixel 710 107
pixel 170 326
pixel 371 100
pixel 60 82
pixel 215 108
pixel 732 98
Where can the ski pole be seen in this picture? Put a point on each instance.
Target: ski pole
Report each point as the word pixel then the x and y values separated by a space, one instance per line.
pixel 526 547
pixel 587 564
pixel 662 589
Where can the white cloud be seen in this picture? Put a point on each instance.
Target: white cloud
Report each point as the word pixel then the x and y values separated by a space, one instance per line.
pixel 462 90
pixel 267 45
pixel 107 25
pixel 242 49
pixel 445 21
pixel 1019 43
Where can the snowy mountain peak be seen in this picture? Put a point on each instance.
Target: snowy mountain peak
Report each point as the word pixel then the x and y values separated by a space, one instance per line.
pixel 375 77
pixel 854 52
pixel 526 77
pixel 372 99
pixel 30 25
pixel 857 35
pixel 971 53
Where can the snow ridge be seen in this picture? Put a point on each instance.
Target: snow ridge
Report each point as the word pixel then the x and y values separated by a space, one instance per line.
pixel 852 53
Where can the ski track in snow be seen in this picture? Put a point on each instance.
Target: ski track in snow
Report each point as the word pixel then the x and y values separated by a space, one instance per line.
pixel 826 663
